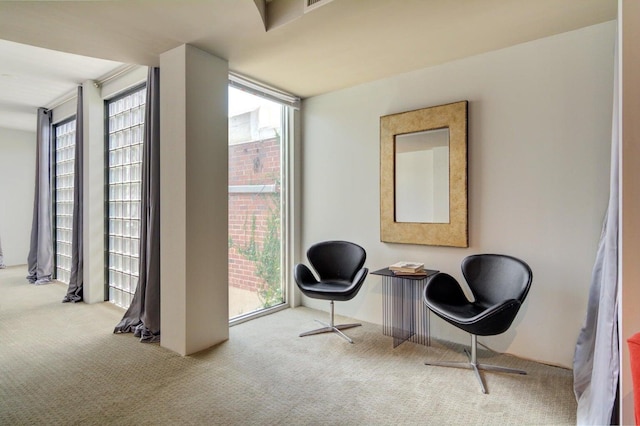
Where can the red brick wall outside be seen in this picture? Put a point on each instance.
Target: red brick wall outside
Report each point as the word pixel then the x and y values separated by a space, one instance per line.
pixel 253 163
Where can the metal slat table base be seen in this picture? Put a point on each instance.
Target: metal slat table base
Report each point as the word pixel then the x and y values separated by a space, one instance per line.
pixel 404 315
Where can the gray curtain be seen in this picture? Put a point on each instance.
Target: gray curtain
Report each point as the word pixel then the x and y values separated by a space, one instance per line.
pixel 2 265
pixel 40 259
pixel 74 291
pixel 596 363
pixel 143 316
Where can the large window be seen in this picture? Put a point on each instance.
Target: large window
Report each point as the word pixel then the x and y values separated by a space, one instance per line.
pixel 124 165
pixel 65 142
pixel 258 140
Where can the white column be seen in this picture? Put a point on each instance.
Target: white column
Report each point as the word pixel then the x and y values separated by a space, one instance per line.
pixel 194 199
pixel 94 196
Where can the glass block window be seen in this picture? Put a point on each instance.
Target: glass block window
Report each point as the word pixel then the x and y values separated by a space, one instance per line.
pixel 65 143
pixel 124 170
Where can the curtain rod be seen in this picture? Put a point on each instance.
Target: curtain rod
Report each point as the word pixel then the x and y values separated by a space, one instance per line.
pixel 63 99
pixel 117 73
pixel 261 89
pixel 97 83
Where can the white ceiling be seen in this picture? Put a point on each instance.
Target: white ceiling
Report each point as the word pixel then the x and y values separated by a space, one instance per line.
pixel 32 77
pixel 340 44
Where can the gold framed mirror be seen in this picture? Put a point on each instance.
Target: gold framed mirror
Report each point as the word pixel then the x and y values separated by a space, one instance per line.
pixel 423 176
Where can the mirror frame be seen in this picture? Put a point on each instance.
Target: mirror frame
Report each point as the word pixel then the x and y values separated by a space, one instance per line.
pixel 456 232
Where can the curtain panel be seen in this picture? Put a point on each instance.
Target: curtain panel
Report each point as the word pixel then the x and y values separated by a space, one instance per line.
pixel 143 316
pixel 596 365
pixel 40 258
pixel 74 291
pixel 2 265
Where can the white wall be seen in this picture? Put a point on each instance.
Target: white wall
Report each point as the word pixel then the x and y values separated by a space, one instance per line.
pixel 17 177
pixel 539 141
pixel 629 16
pixel 93 180
pixel 93 170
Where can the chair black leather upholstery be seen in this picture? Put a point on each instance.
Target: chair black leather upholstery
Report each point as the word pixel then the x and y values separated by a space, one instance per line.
pixel 341 273
pixel 499 285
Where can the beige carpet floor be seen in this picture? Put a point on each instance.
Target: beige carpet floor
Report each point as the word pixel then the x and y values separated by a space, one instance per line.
pixel 60 364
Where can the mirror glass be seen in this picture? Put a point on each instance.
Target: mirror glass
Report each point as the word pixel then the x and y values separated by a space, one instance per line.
pixel 422 177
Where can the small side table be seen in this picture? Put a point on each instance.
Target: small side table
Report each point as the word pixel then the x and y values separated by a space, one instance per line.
pixel 404 314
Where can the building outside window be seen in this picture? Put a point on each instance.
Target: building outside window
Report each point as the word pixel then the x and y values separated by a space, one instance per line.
pixel 258 141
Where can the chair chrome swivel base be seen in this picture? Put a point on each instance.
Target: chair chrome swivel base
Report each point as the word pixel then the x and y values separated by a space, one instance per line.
pixel 331 328
pixel 473 364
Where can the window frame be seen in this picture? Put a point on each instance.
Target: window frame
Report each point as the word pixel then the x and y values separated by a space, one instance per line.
pixel 288 234
pixel 54 192
pixel 107 283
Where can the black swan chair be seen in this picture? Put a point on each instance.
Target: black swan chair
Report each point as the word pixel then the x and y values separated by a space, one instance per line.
pixel 339 265
pixel 499 284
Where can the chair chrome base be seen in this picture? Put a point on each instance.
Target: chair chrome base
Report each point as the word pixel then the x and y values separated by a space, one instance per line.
pixel 473 364
pixel 331 328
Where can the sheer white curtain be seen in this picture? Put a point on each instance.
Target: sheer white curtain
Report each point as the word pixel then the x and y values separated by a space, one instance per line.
pixel 40 259
pixel 596 366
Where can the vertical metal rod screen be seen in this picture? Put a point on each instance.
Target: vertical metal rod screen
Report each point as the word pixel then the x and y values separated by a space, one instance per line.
pixel 404 314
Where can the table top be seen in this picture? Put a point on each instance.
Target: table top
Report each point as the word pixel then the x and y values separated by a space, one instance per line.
pixel 388 273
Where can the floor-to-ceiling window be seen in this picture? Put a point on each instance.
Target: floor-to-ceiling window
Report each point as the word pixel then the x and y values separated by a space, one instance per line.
pixel 124 145
pixel 64 158
pixel 258 147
